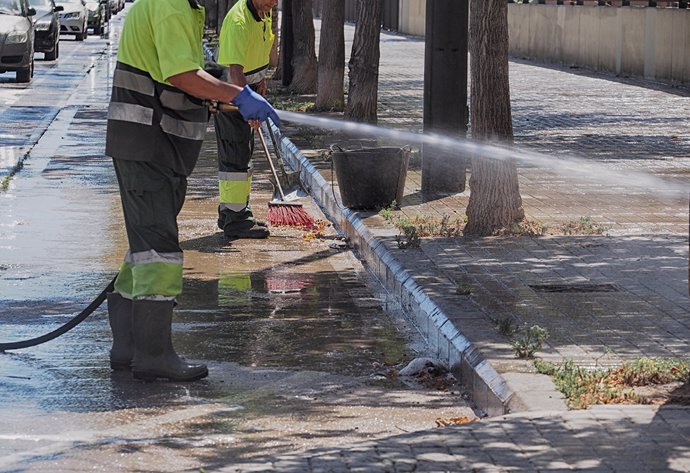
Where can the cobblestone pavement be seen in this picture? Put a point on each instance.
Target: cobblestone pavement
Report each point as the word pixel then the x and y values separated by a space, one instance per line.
pixel 603 298
pixel 602 439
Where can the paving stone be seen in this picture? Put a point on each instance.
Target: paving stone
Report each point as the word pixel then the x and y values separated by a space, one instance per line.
pixel 614 126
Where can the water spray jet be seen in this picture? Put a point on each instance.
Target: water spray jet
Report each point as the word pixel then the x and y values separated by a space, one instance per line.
pixel 570 166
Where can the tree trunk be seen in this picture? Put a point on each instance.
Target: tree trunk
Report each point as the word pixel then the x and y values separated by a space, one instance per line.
pixel 284 72
pixel 304 79
pixel 330 95
pixel 211 20
pixel 495 201
pixel 364 63
pixel 445 95
pixel 273 58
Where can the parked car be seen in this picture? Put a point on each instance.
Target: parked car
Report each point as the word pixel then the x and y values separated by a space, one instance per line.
pixel 47 28
pixel 116 6
pixel 74 18
pixel 98 15
pixel 17 38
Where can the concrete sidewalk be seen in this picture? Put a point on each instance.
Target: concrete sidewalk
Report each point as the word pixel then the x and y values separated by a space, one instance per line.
pixel 603 298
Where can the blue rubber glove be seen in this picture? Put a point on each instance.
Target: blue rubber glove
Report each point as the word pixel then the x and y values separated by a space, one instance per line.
pixel 253 106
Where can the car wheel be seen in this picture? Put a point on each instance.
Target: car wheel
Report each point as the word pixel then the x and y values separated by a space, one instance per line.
pixel 52 55
pixel 25 75
pixel 84 33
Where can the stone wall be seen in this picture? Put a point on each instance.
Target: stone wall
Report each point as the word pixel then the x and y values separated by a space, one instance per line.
pixel 628 40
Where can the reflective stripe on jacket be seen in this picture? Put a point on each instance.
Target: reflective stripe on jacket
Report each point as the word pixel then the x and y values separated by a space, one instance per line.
pixel 154 122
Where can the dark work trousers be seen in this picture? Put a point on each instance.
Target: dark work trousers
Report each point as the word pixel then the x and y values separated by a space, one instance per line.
pixel 152 197
pixel 235 141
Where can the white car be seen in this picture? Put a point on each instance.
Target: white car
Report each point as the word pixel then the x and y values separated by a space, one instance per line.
pixel 17 38
pixel 74 18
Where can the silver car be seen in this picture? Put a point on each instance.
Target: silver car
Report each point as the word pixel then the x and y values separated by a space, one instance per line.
pixel 17 38
pixel 74 18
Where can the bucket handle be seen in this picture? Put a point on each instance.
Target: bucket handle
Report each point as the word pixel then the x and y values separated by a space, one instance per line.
pixel 336 148
pixel 328 157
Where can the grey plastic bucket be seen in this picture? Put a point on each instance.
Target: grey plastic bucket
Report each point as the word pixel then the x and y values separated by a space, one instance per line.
pixel 370 178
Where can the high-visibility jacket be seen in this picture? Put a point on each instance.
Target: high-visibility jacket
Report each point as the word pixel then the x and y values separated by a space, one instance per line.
pixel 246 40
pixel 150 120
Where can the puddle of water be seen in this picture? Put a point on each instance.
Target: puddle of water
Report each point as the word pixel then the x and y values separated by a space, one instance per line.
pixel 298 320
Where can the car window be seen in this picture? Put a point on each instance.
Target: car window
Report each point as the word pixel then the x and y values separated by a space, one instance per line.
pixel 10 7
pixel 44 4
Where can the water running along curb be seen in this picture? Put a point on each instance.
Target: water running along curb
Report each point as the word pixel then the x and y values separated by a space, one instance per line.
pixel 490 391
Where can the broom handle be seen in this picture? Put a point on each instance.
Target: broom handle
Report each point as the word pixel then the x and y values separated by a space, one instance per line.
pixel 224 107
pixel 270 163
pixel 275 146
pixel 228 107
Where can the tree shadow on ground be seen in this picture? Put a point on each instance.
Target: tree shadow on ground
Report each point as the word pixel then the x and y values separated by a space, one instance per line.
pixel 605 438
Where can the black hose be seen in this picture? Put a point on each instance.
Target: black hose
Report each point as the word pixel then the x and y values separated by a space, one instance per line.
pixel 64 328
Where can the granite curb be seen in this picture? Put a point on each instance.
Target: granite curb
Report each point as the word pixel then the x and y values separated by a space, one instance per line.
pixel 490 391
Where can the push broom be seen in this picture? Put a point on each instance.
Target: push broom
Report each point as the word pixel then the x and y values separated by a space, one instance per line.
pixel 281 212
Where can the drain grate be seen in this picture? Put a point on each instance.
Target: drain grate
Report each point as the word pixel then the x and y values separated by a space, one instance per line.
pixel 574 287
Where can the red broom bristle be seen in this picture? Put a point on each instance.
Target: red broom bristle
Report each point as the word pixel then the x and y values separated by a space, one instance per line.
pixel 289 216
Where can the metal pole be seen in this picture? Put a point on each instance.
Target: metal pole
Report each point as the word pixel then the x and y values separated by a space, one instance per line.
pixel 445 92
pixel 286 43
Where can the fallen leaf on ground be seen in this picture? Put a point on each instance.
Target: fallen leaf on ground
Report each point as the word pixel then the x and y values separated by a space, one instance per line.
pixel 441 422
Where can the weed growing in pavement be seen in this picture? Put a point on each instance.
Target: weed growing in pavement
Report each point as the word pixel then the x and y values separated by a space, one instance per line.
pixel 507 326
pixel 607 352
pixel 644 371
pixel 584 226
pixel 431 226
pixel 530 341
pixel 412 231
pixel 408 238
pixel 581 226
pixel 291 103
pixel 387 212
pixel 6 181
pixel 426 226
pixel 583 387
pixel 463 290
pixel 525 228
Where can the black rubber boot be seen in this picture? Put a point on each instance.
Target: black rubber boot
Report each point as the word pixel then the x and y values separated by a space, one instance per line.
pixel 247 230
pixel 120 318
pixel 221 222
pixel 243 219
pixel 154 355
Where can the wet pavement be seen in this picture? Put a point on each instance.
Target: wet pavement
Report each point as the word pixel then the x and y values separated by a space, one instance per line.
pixel 300 341
pixel 302 345
pixel 595 293
pixel 615 151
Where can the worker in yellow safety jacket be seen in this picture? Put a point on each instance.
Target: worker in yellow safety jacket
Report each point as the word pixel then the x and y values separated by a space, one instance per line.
pixel 156 123
pixel 245 42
